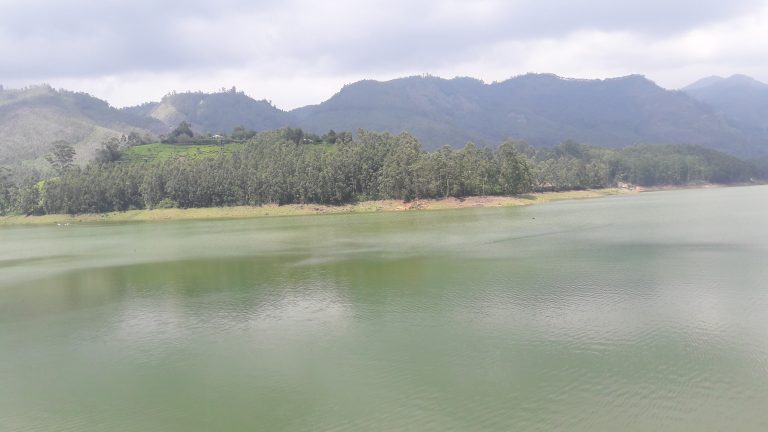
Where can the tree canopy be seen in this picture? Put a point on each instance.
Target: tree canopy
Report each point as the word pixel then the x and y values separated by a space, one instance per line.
pixel 287 166
pixel 61 157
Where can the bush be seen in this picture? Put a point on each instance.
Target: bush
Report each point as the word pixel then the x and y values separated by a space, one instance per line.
pixel 166 203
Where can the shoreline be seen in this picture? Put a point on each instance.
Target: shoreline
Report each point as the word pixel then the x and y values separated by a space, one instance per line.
pixel 273 210
pixel 643 189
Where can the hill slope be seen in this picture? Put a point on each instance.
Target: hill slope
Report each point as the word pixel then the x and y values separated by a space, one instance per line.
pixel 214 112
pixel 740 97
pixel 729 115
pixel 32 119
pixel 542 109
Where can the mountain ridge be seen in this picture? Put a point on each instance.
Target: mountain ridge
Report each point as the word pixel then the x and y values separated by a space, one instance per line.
pixel 739 97
pixel 542 109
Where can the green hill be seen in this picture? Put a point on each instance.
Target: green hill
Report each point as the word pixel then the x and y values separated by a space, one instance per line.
pixel 542 109
pixel 32 119
pixel 728 115
pixel 214 112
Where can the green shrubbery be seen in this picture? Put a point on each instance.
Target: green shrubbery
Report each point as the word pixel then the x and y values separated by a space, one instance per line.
pixel 285 166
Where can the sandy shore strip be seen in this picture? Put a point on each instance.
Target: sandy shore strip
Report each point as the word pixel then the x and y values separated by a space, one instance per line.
pixel 271 210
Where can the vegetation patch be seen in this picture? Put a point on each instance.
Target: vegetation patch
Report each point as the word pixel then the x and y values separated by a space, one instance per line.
pixel 163 152
pixel 286 166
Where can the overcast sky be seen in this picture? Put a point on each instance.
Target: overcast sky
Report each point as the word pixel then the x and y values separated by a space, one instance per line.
pixel 298 52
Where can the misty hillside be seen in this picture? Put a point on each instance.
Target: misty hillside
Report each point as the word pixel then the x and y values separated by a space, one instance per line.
pixel 435 110
pixel 32 119
pixel 730 115
pixel 214 112
pixel 742 98
pixel 542 109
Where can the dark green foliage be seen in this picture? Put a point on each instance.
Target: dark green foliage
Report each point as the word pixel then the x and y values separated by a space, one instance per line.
pixel 240 133
pixel 26 199
pixel 182 134
pixel 295 135
pixel 330 137
pixel 679 165
pixel 400 169
pixel 94 189
pixel 577 166
pixel 6 191
pixel 166 203
pixel 514 172
pixel 61 157
pixel 109 151
pixel 288 166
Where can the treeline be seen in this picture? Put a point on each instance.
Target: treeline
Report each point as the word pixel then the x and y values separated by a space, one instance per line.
pixel 576 166
pixel 183 134
pixel 284 167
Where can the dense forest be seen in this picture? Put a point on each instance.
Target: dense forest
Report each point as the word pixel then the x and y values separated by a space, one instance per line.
pixel 288 166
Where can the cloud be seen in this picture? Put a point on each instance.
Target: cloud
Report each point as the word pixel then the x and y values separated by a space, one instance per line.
pixel 281 48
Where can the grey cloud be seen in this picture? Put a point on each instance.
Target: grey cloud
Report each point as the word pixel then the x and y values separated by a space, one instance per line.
pixel 87 37
pixel 648 16
pixel 40 39
pixel 421 39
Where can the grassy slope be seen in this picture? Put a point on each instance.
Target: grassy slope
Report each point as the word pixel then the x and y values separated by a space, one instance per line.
pixel 162 152
pixel 32 119
pixel 309 209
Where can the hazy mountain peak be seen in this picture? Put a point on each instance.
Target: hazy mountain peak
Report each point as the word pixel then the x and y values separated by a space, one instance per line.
pixel 632 78
pixel 733 80
pixel 704 82
pixel 740 97
pixel 745 80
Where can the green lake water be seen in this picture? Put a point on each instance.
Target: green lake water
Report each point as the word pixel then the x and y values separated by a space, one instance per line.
pixel 644 312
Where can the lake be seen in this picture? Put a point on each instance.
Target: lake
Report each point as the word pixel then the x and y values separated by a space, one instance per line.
pixel 633 313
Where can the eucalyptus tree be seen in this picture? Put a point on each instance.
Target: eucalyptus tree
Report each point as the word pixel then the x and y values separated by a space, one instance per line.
pixel 61 157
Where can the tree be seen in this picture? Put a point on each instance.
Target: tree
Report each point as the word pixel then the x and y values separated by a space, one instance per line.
pixel 514 172
pixel 182 133
pixel 61 157
pixel 134 139
pixel 330 137
pixel 293 167
pixel 399 172
pixel 28 198
pixel 109 151
pixel 5 190
pixel 240 133
pixel 295 135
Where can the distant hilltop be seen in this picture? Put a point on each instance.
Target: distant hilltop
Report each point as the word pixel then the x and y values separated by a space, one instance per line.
pixel 727 114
